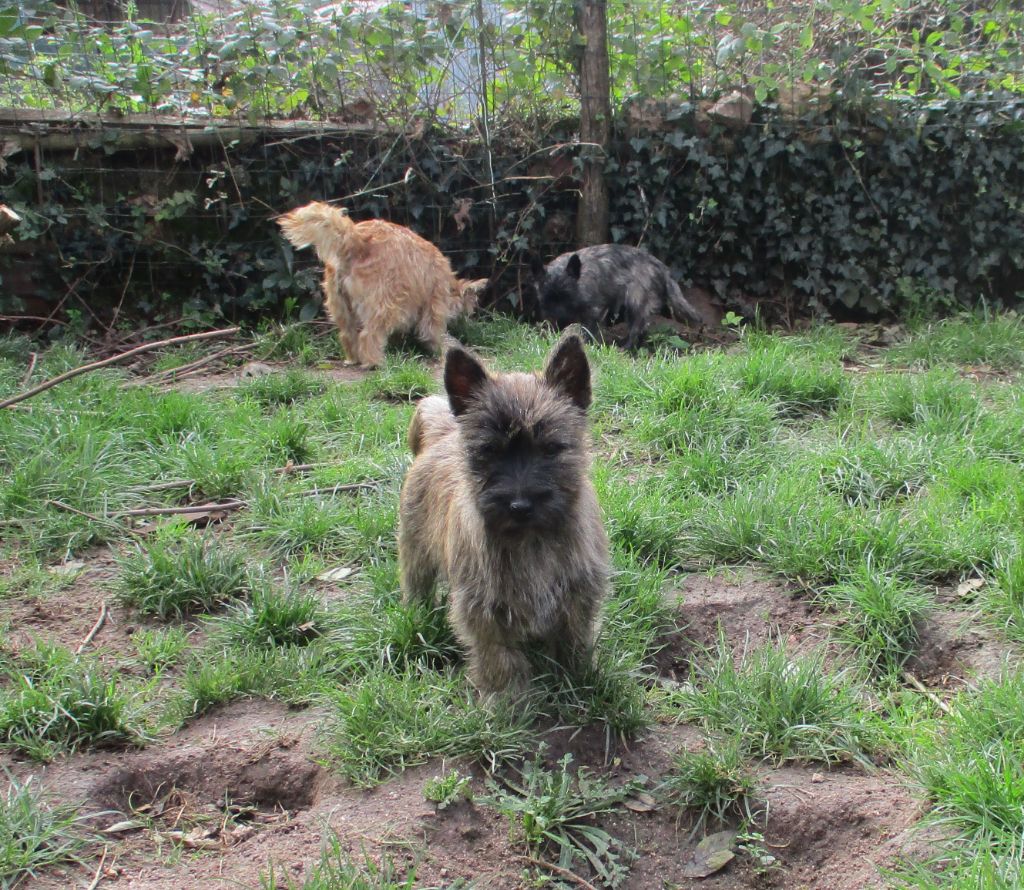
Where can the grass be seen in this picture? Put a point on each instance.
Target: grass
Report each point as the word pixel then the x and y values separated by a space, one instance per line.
pixel 867 490
pixel 788 708
pixel 178 571
pixel 337 869
pixel 34 834
pixel 53 702
pixel 160 649
pixel 880 615
pixel 981 338
pixel 389 721
pixel 1004 596
pixel 274 617
pixel 969 767
pixel 714 785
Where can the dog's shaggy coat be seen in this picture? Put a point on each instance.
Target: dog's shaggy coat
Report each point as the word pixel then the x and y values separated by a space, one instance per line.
pixel 499 504
pixel 379 279
pixel 597 285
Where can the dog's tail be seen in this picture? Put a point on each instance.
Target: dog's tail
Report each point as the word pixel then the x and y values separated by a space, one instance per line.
pixel 325 228
pixel 469 294
pixel 432 421
pixel 681 308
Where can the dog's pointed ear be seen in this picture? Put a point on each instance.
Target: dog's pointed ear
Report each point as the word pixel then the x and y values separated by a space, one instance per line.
pixel 464 377
pixel 575 266
pixel 569 371
pixel 536 267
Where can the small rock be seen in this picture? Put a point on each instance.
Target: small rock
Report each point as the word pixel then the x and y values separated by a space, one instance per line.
pixel 734 110
pixel 255 369
pixel 817 777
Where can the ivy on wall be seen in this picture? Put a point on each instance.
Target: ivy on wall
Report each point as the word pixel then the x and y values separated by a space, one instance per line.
pixel 856 209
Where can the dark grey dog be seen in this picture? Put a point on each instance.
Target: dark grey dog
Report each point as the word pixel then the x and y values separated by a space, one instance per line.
pixel 604 284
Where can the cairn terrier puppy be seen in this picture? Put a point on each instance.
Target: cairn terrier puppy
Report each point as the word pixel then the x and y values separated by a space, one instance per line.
pixel 498 503
pixel 603 284
pixel 379 278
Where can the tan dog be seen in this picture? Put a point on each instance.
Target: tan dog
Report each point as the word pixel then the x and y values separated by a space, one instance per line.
pixel 498 503
pixel 379 279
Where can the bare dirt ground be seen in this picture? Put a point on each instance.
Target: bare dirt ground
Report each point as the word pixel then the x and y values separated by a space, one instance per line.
pixel 216 803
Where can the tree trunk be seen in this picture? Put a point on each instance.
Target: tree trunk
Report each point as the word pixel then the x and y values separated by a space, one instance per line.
pixel 595 121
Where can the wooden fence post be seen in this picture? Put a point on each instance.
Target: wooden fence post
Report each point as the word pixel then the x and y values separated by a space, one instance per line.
pixel 595 120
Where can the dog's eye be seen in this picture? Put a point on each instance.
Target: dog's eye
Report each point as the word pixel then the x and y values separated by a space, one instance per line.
pixel 551 449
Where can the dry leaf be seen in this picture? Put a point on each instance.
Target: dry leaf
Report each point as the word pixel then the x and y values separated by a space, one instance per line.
pixel 966 588
pixel 713 854
pixel 461 213
pixel 256 369
pixel 336 574
pixel 641 802
pixel 126 825
pixel 71 567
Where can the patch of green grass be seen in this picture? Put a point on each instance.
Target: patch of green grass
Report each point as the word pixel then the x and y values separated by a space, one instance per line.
pixel 610 692
pixel 388 721
pixel 281 388
pixel 354 526
pixel 178 571
pixel 34 834
pixel 161 648
pixel 714 784
pixel 407 381
pixel 170 416
pixel 696 406
pixel 286 436
pixel 969 766
pixel 978 339
pixel 790 708
pixel 53 701
pixel 221 470
pixel 273 617
pixel 781 372
pixel 1004 595
pixel 295 674
pixel 552 814
pixel 301 342
pixel 880 616
pixel 937 402
pixel 637 616
pixel 26 577
pixel 641 515
pixel 388 633
pixel 338 869
pixel 873 469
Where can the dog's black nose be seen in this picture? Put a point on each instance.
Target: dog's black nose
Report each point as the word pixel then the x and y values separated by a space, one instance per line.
pixel 520 507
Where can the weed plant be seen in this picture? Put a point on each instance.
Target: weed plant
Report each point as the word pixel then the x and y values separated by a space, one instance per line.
pixel 34 834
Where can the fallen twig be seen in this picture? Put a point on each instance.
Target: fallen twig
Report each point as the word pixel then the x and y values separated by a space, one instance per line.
pixel 95 628
pixel 223 507
pixel 283 471
pixel 99 872
pixel 558 870
pixel 182 370
pixel 62 506
pixel 164 486
pixel 146 347
pixel 297 468
pixel 337 489
pixel 33 357
pixel 920 687
pixel 102 520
